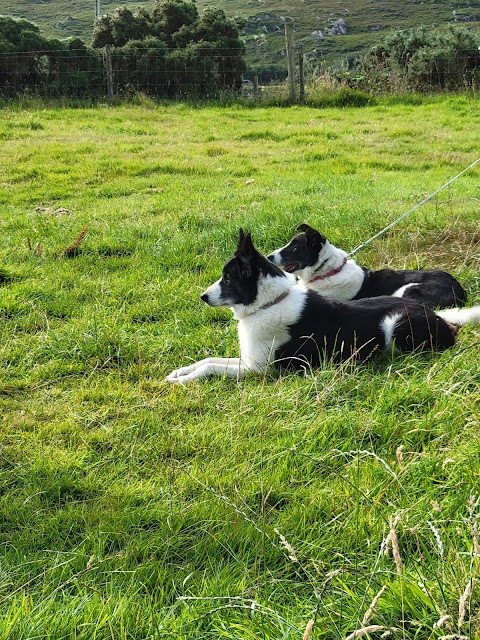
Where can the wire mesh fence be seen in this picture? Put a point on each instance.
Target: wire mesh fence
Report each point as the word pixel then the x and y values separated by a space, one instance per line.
pixel 207 73
pixel 164 73
pixel 177 73
pixel 75 74
pixel 427 73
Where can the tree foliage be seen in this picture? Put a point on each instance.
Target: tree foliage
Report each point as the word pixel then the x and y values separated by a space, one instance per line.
pixel 173 50
pixel 121 28
pixel 21 36
pixel 49 66
pixel 170 16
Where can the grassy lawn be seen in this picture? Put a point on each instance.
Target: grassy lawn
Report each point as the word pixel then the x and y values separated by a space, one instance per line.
pixel 131 509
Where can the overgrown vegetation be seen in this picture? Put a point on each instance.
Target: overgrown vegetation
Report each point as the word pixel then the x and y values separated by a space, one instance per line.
pixel 171 52
pixel 131 509
pixel 366 24
pixel 31 63
pixel 174 52
pixel 420 59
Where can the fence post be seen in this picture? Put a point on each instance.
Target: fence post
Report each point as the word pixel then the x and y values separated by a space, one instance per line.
pixel 290 62
pixel 108 63
pixel 301 74
pixel 255 87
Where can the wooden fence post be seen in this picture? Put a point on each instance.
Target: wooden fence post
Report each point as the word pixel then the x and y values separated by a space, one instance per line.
pixel 255 87
pixel 301 74
pixel 290 61
pixel 108 64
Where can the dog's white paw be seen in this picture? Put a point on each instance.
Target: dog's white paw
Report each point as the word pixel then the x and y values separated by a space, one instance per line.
pixel 195 371
pixel 175 376
pixel 172 380
pixel 184 374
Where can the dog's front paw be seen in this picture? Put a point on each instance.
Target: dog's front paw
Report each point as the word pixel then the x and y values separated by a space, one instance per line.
pixel 182 375
pixel 190 372
pixel 187 374
pixel 177 375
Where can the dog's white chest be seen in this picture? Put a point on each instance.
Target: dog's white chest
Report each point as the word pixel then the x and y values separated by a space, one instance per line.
pixel 261 334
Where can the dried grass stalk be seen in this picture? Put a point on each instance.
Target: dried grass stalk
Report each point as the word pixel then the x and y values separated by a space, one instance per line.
pixel 443 620
pixel 399 453
pixel 462 603
pixel 36 250
pixel 72 248
pixel 371 609
pixel 308 629
pixel 358 633
pixel 472 507
pixel 395 547
pixel 285 543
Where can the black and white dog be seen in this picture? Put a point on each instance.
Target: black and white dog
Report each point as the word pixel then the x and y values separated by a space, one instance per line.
pixel 326 269
pixel 288 325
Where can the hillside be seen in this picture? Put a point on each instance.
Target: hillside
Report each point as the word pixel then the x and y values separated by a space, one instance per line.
pixel 330 30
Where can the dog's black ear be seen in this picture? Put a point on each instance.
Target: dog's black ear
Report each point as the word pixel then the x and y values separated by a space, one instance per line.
pixel 241 240
pixel 306 228
pixel 314 238
pixel 245 244
pixel 246 253
pixel 248 245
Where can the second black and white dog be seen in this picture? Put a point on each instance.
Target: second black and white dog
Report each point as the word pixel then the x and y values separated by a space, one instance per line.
pixel 326 269
pixel 288 325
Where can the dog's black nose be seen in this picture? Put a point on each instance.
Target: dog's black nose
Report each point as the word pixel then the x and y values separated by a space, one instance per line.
pixel 204 297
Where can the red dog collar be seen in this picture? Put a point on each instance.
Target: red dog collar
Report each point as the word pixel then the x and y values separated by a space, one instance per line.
pixel 330 273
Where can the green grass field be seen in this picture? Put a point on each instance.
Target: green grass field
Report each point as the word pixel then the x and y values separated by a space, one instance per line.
pixel 132 509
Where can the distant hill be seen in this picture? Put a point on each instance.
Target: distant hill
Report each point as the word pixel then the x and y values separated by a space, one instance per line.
pixel 330 30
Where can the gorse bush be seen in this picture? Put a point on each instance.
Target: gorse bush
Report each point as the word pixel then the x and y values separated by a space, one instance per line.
pixel 420 59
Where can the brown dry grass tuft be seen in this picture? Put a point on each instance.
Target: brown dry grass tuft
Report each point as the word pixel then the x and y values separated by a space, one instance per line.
pixel 72 250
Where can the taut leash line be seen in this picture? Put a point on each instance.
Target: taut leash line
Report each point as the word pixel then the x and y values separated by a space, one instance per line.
pixel 404 215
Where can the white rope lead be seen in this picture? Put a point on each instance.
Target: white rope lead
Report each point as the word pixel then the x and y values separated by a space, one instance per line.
pixel 404 215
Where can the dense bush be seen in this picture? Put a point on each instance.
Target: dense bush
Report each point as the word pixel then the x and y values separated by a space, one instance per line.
pixel 21 35
pixel 31 63
pixel 173 51
pixel 421 58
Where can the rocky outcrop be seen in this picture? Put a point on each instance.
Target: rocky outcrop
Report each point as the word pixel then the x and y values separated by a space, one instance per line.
pixel 265 23
pixel 338 28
